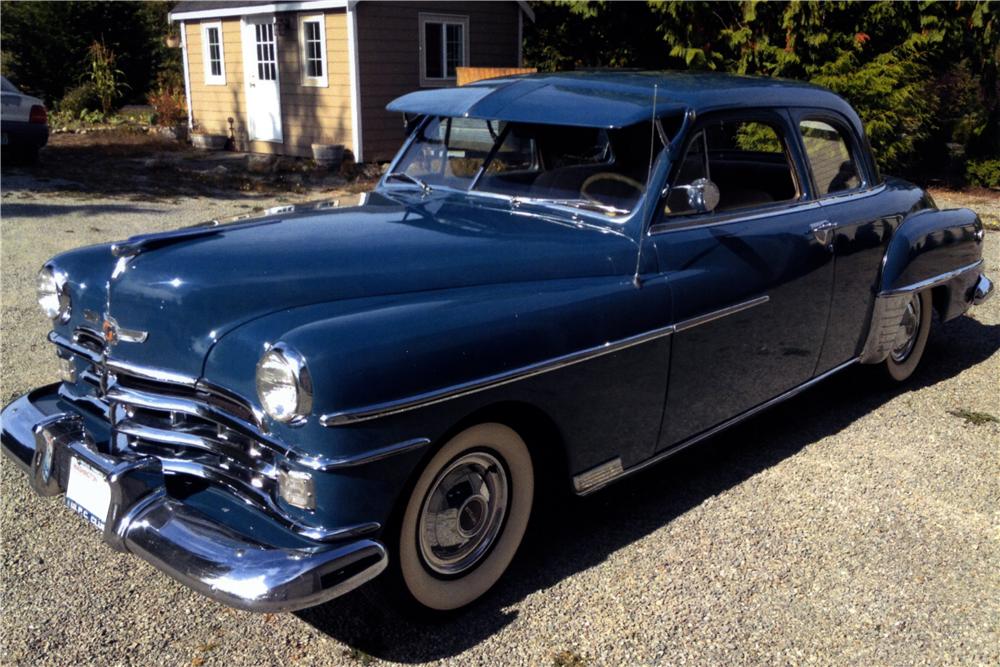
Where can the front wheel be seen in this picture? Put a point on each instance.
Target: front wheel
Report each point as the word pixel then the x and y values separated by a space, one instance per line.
pixel 466 517
pixel 911 337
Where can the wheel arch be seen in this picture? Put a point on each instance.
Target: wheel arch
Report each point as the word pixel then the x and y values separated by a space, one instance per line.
pixel 536 427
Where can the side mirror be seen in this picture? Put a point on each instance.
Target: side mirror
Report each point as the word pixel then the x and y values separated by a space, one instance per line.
pixel 700 196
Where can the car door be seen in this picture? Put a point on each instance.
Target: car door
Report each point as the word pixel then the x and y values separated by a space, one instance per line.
pixel 751 280
pixel 862 218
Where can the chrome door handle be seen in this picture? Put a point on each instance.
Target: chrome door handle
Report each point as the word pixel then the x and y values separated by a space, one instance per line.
pixel 823 231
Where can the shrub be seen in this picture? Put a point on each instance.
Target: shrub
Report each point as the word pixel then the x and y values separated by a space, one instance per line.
pixel 983 172
pixel 168 105
pixel 82 98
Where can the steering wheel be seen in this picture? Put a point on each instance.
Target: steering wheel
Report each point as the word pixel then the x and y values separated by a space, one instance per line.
pixel 608 176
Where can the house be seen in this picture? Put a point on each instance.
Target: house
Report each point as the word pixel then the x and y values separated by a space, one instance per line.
pixel 278 77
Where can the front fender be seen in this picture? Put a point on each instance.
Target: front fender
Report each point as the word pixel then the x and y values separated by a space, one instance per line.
pixel 372 351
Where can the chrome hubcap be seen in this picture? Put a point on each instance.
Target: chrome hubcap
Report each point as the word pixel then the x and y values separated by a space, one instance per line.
pixel 463 513
pixel 909 329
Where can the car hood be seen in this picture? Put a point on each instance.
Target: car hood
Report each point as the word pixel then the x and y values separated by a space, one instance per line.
pixel 189 288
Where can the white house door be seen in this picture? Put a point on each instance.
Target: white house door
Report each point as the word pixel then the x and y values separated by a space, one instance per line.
pixel 263 97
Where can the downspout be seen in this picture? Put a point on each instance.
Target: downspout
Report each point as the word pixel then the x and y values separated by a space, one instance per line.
pixel 187 76
pixel 353 64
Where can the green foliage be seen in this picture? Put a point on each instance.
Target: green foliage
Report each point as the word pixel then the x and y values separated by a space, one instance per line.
pixel 85 119
pixel 569 35
pixel 983 172
pixel 757 137
pixel 45 44
pixel 920 74
pixel 79 99
pixel 104 75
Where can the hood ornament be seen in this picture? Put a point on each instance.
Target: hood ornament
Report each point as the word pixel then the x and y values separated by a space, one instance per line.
pixel 113 333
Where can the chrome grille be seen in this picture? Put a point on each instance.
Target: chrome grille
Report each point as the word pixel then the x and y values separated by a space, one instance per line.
pixel 194 428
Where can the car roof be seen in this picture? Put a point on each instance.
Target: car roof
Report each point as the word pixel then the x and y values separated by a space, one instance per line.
pixel 611 98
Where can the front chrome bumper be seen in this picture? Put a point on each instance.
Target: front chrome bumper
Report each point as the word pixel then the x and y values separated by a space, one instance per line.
pixel 143 519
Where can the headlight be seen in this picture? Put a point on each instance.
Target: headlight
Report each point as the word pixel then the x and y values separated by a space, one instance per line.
pixel 53 296
pixel 283 384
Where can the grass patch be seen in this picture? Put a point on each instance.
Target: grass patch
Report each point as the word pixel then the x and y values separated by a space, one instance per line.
pixel 974 418
pixel 568 659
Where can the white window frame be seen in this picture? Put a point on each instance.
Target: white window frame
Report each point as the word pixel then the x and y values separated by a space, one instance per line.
pixel 444 19
pixel 213 79
pixel 314 81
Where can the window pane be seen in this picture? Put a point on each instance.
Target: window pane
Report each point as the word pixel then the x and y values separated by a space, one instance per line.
pixel 832 166
pixel 585 167
pixel 432 50
pixel 746 161
pixel 454 45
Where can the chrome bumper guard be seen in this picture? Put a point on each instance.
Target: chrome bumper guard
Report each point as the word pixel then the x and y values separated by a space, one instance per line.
pixel 142 519
pixel 983 290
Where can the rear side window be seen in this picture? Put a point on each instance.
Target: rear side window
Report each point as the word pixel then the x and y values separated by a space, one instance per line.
pixel 833 167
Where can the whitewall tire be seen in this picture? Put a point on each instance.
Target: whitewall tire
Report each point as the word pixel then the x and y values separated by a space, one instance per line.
pixel 465 517
pixel 911 339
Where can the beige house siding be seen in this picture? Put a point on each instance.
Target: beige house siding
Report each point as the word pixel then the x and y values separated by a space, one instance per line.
pixel 308 114
pixel 389 57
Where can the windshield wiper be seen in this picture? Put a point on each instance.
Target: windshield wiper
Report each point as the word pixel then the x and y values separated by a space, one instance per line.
pixel 588 205
pixel 403 176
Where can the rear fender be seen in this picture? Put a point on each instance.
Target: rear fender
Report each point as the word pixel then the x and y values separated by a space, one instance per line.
pixel 929 246
pixel 931 249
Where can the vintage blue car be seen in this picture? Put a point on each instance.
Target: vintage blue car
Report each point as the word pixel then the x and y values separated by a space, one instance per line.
pixel 560 280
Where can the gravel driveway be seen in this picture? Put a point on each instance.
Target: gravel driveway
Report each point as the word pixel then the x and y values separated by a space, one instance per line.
pixel 853 525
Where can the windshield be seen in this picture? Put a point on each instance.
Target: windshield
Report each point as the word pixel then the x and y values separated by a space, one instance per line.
pixel 583 167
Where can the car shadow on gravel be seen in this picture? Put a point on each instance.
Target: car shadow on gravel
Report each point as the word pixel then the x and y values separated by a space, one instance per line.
pixel 570 535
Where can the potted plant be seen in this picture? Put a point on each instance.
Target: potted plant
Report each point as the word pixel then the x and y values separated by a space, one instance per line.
pixel 328 155
pixel 209 142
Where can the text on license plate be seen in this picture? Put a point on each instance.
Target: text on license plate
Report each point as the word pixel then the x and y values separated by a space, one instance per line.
pixel 88 493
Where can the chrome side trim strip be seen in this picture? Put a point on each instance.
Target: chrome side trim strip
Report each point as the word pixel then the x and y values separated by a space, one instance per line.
pixel 475 386
pixel 457 391
pixel 325 465
pixel 721 427
pixel 598 475
pixel 719 314
pixel 932 282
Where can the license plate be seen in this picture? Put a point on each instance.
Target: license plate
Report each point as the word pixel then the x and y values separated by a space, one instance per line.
pixel 88 493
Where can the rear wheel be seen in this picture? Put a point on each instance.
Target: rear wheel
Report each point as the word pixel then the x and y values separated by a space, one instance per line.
pixel 466 517
pixel 911 337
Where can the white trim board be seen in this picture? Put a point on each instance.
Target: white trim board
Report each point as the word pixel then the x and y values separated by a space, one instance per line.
pixel 304 6
pixel 248 10
pixel 353 65
pixel 187 75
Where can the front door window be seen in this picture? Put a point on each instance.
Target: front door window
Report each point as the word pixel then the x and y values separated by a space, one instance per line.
pixel 747 161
